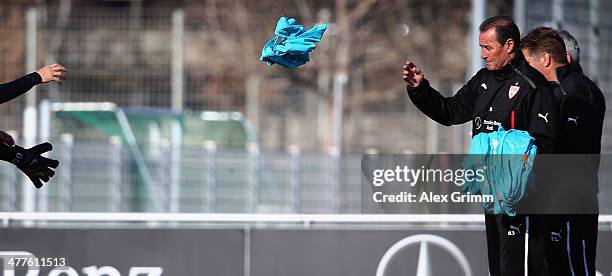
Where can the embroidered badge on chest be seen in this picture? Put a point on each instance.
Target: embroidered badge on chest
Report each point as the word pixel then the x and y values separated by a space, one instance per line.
pixel 514 89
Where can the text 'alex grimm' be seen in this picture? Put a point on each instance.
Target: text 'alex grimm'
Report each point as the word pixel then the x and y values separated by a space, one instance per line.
pixel 429 197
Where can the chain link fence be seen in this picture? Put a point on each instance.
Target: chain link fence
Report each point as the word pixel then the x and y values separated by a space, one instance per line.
pixel 125 55
pixel 100 177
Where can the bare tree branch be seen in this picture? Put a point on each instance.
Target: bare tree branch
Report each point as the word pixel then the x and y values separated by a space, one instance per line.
pixel 305 11
pixel 362 8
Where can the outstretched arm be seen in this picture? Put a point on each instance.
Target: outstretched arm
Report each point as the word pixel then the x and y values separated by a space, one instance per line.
pixel 447 111
pixel 10 90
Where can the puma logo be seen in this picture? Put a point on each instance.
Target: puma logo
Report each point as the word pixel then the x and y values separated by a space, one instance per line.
pixel 555 237
pixel 543 116
pixel 514 230
pixel 575 120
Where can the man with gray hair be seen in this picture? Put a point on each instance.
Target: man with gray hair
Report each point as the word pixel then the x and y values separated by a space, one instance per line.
pixel 571 46
pixel 571 249
pixel 584 241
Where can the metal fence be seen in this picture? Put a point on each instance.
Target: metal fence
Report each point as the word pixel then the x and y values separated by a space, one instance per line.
pixel 205 57
pixel 97 176
pixel 143 56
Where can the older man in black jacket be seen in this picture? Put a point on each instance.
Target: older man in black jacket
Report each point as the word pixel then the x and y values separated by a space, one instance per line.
pixel 507 93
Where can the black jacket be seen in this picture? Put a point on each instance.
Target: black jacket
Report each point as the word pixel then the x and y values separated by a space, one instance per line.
pixel 582 109
pixel 515 97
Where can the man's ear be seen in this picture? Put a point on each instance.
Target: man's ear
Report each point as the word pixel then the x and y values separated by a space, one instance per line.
pixel 547 59
pixel 509 45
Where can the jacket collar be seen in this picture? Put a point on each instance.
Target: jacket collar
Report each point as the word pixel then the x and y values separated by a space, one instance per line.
pixel 505 72
pixel 565 70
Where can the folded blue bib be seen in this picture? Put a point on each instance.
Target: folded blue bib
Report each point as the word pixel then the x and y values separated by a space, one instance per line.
pixel 293 43
pixel 507 159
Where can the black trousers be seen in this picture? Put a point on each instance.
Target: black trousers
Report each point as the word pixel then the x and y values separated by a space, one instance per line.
pixel 556 245
pixel 514 246
pixel 574 252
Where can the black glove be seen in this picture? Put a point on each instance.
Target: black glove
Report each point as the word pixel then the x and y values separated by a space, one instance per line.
pixel 30 161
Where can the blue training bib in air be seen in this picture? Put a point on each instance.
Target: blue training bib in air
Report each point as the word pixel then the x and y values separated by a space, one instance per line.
pixel 293 43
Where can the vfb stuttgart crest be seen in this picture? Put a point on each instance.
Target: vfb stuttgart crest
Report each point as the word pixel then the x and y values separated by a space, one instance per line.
pixel 512 91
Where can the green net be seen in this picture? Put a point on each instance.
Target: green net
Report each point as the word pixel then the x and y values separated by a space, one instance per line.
pixel 226 129
pixel 142 130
